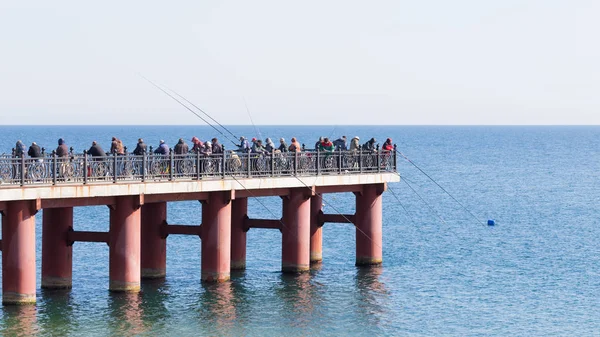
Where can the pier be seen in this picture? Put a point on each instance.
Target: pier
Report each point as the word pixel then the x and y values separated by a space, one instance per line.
pixel 136 189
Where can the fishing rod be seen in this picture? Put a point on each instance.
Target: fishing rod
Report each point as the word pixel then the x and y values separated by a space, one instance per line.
pixel 402 205
pixel 185 106
pixel 324 201
pixel 440 186
pixel 204 112
pixel 251 121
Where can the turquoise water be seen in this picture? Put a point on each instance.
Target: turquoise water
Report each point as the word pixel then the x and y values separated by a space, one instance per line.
pixel 537 272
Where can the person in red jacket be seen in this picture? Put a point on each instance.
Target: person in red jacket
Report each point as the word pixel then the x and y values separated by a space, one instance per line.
pixel 388 146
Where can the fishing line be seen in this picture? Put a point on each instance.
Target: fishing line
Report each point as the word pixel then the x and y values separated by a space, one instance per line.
pixel 327 203
pixel 425 202
pixel 256 130
pixel 440 186
pixel 402 205
pixel 204 112
pixel 185 106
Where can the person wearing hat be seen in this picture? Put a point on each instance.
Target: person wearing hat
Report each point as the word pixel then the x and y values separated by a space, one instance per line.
pixel 388 146
pixel 283 146
pixel 140 148
pixel 163 148
pixel 340 144
pixel 369 145
pixel 96 150
pixel 244 145
pixel 181 147
pixel 216 146
pixel 34 151
pixel 198 145
pixel 355 144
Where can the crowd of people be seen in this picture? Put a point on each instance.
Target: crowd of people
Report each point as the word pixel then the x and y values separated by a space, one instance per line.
pixel 324 144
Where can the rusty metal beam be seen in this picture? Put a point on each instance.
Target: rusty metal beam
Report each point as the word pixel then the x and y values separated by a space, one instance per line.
pixel 272 192
pixel 76 202
pixel 336 218
pixel 262 223
pixel 150 198
pixel 0 245
pixel 181 229
pixel 85 236
pixel 338 189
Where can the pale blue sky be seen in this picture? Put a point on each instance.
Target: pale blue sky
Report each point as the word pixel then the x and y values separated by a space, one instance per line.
pixel 303 62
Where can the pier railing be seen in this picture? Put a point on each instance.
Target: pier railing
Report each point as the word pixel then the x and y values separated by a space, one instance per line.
pixel 83 168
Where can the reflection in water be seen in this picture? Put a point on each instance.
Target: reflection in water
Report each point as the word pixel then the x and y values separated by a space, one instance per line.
pixel 155 293
pixel 126 313
pixel 56 310
pixel 372 293
pixel 19 320
pixel 217 306
pixel 300 296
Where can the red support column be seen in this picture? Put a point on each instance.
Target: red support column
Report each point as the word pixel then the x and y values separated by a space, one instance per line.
pixel 295 232
pixel 154 246
pixel 368 222
pixel 18 253
pixel 316 231
pixel 124 242
pixel 216 237
pixel 57 254
pixel 239 211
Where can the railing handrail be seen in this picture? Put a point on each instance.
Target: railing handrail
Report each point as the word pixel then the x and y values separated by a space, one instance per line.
pixel 84 168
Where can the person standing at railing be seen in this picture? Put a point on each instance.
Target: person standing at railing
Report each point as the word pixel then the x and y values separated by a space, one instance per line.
pixel 386 152
pixel 340 144
pixel 295 145
pixel 96 151
pixel 62 150
pixel 116 147
pixel 388 146
pixel 244 146
pixel 355 144
pixel 198 145
pixel 140 148
pixel 269 147
pixel 163 150
pixel 181 150
pixel 34 151
pixel 98 167
pixel 318 143
pixel 181 147
pixel 19 149
pixel 369 145
pixel 326 146
pixel 282 146
pixel 217 148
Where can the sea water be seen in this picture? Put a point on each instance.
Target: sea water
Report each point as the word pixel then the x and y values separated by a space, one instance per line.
pixel 445 271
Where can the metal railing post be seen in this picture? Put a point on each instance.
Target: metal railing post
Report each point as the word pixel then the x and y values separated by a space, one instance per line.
pixel 296 163
pixel 360 161
pixel 144 165
pixel 85 167
pixel 171 164
pixel 22 178
pixel 114 168
pixel 340 157
pixel 272 155
pixel 395 158
pixel 54 167
pixel 378 152
pixel 318 162
pixel 249 165
pixel 198 165
pixel 223 161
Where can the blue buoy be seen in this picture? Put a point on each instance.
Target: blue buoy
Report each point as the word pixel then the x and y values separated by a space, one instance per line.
pixel 491 222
